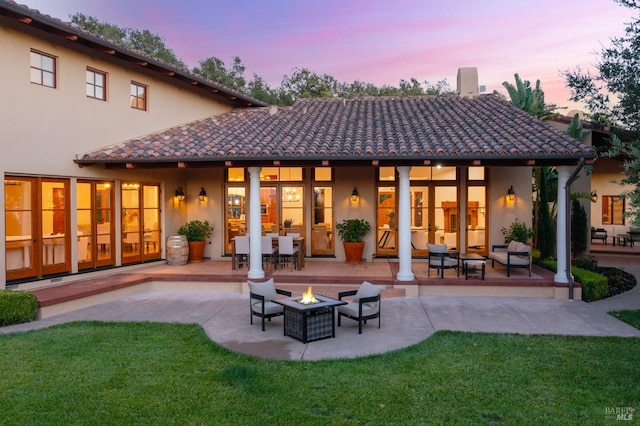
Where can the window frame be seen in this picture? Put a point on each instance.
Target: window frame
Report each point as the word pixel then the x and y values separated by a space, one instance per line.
pixel 134 100
pixel 608 209
pixel 94 85
pixel 42 71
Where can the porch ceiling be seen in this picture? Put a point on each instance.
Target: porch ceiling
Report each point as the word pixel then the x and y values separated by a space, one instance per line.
pixel 425 130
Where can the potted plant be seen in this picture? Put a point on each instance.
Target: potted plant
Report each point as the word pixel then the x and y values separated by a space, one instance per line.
pixel 518 231
pixel 288 223
pixel 351 232
pixel 197 232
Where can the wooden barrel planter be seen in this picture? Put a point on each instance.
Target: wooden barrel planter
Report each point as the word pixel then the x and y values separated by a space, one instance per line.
pixel 177 250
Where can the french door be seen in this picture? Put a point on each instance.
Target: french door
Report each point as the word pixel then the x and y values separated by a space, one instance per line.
pixel 95 213
pixel 140 222
pixel 37 237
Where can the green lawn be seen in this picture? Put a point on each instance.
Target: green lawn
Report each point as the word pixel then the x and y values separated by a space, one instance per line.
pixel 146 373
pixel 630 317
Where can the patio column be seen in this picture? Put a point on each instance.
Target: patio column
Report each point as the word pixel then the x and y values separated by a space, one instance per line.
pixel 255 227
pixel 404 225
pixel 564 172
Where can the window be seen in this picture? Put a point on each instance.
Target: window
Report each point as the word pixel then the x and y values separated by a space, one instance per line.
pixel 138 96
pixel 96 84
pixel 43 69
pixel 612 210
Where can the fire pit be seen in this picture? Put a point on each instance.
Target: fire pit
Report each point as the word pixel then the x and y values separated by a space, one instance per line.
pixel 309 318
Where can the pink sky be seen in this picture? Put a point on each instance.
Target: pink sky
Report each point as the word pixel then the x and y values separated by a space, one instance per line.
pixel 377 41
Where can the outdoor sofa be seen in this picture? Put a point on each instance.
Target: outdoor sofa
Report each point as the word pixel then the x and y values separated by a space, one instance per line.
pixel 512 255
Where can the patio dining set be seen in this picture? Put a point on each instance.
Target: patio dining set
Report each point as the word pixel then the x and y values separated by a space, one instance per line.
pixel 277 251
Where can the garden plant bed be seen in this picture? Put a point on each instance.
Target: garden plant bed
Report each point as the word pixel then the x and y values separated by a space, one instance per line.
pixel 624 283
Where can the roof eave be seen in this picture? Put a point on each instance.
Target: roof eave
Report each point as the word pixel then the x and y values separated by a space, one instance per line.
pixel 70 33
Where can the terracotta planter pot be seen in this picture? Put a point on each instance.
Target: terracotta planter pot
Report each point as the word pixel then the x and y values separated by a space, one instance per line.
pixel 196 251
pixel 353 251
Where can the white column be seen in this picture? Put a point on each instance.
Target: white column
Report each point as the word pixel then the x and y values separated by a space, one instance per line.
pixel 404 225
pixel 255 227
pixel 564 172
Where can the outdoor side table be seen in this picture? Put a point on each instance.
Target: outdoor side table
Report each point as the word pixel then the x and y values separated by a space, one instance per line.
pixel 472 260
pixel 310 322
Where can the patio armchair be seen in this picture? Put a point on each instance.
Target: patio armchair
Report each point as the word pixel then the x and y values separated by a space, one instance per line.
pixel 261 296
pixel 440 258
pixel 599 234
pixel 365 305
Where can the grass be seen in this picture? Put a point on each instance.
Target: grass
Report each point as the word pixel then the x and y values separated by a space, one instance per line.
pixel 149 373
pixel 630 317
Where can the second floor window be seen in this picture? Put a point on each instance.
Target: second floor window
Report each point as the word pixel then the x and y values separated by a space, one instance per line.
pixel 612 210
pixel 43 69
pixel 138 96
pixel 96 84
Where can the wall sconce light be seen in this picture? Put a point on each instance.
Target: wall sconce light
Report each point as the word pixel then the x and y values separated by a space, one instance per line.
pixel 203 194
pixel 511 195
pixel 354 195
pixel 180 194
pixel 594 196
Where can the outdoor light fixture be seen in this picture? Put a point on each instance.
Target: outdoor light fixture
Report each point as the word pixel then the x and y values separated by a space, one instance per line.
pixel 511 195
pixel 354 195
pixel 203 194
pixel 594 196
pixel 180 194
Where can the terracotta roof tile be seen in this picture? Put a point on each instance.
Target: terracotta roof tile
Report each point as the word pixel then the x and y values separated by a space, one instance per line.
pixel 428 127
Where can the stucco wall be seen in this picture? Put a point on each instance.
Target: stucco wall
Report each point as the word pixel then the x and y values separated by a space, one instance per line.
pixel 43 128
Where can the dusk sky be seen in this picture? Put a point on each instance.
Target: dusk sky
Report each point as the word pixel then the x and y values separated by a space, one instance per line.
pixel 377 41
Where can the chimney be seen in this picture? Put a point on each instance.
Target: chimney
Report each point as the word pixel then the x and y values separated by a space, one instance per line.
pixel 468 82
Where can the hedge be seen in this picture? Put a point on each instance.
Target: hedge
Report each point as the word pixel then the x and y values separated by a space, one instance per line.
pixel 594 285
pixel 17 307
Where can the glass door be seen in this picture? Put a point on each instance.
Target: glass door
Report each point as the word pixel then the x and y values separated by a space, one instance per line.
pixel 235 216
pixel 476 219
pixel 419 220
pixel 94 203
pixel 150 245
pixel 446 216
pixel 20 234
pixel 54 222
pixel 386 226
pixel 140 222
pixel 292 210
pixel 322 238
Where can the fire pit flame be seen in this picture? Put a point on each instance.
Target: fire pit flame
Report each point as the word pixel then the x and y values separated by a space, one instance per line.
pixel 308 297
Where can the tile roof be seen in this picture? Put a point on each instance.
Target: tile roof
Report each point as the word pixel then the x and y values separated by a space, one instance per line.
pixel 409 129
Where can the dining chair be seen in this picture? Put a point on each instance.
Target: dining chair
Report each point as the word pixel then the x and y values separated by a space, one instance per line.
pixel 242 250
pixel 287 253
pixel 269 252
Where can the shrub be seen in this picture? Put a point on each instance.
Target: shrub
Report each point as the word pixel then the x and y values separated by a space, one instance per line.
pixel 518 231
pixel 586 262
pixel 17 307
pixel 594 285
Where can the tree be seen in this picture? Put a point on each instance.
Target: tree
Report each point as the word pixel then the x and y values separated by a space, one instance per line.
pixel 579 228
pixel 214 69
pixel 546 237
pixel 144 41
pixel 304 83
pixel 612 98
pixel 528 99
